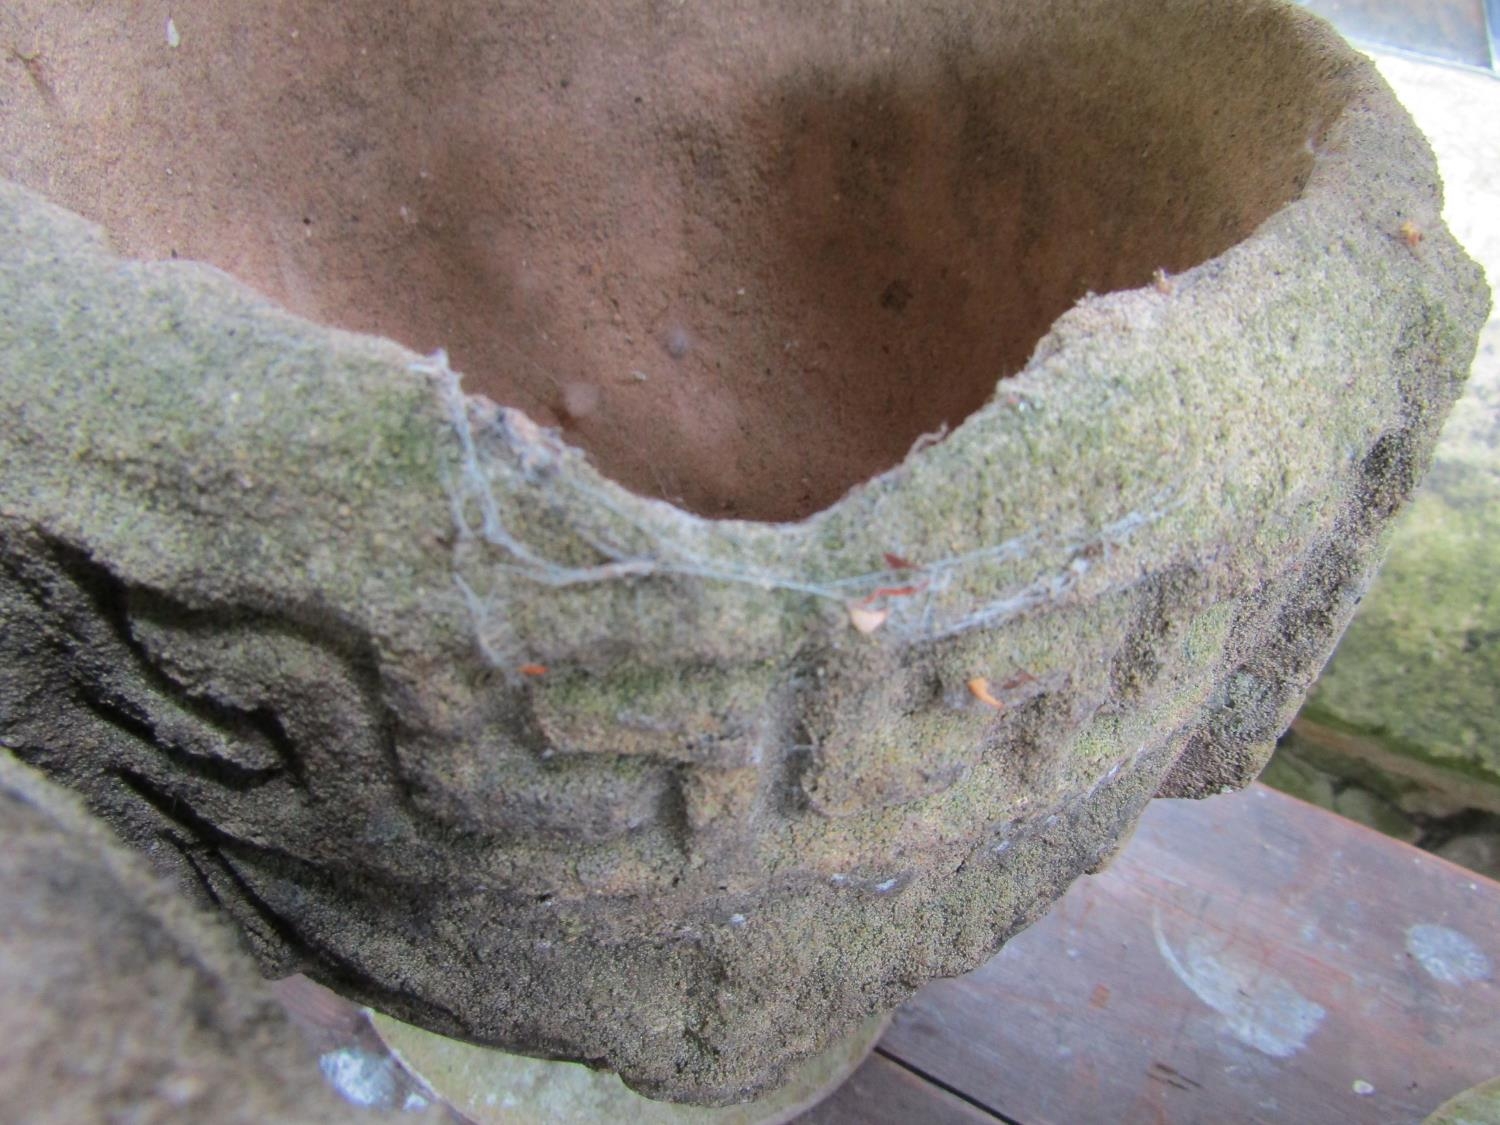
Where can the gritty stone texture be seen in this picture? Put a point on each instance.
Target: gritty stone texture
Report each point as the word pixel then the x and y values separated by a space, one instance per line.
pixel 1478 851
pixel 1364 807
pixel 1478 1105
pixel 1289 773
pixel 1418 673
pixel 119 1000
pixel 445 717
pixel 490 1087
pixel 1409 706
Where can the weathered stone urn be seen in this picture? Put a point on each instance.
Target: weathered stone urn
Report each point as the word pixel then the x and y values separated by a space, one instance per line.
pixel 895 443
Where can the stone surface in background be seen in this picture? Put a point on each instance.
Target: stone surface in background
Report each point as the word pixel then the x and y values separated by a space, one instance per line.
pixel 1402 731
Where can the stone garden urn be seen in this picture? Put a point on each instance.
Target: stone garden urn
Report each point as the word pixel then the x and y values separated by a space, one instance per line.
pixel 642 532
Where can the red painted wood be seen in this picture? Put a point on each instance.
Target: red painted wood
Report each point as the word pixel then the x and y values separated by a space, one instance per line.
pixel 1247 958
pixel 882 1090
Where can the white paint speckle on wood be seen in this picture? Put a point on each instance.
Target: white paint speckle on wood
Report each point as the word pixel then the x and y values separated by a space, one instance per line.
pixel 1447 955
pixel 362 1077
pixel 1260 1009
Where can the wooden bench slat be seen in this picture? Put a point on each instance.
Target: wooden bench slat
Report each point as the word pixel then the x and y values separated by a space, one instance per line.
pixel 1246 958
pixel 884 1090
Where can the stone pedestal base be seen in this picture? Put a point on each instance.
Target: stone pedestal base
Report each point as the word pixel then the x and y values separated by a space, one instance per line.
pixel 493 1087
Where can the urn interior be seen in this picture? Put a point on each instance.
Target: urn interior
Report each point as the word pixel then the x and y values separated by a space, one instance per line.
pixel 745 257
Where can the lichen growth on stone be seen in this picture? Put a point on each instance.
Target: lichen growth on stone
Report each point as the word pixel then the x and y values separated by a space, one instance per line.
pixel 441 714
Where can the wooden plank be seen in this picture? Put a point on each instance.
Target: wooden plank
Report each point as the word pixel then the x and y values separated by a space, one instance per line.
pixel 882 1091
pixel 1247 958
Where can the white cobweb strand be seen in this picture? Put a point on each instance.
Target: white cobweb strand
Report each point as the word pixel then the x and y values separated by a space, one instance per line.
pixel 908 591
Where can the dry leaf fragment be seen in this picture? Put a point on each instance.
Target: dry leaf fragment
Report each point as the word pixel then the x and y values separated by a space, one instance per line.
pixel 1020 679
pixel 979 688
pixel 865 619
pixel 882 592
pixel 893 592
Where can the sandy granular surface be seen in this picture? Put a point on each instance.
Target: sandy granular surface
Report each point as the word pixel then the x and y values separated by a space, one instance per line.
pixel 1460 112
pixel 745 272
